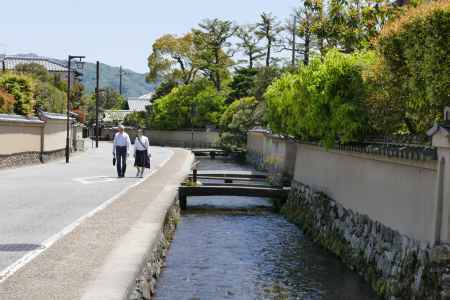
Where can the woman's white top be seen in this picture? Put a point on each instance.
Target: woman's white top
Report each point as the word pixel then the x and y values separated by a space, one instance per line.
pixel 141 144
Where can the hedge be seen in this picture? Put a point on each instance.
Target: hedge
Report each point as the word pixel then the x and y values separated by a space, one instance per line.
pixel 415 58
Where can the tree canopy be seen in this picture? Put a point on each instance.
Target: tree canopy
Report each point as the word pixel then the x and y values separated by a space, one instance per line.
pixel 173 59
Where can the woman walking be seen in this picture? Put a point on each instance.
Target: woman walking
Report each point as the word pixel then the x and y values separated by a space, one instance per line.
pixel 141 153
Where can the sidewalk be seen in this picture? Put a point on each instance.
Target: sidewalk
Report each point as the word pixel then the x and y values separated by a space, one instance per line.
pixel 101 257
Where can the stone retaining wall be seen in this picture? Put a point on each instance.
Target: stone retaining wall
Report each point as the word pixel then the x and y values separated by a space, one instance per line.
pixel 19 159
pixel 396 266
pixel 145 283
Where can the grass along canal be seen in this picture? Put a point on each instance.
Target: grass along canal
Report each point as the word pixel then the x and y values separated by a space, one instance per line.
pixel 237 248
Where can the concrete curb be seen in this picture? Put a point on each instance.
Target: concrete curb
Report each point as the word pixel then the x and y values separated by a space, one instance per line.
pixel 103 257
pixel 117 277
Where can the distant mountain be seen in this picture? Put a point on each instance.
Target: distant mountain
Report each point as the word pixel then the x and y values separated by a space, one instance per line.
pixel 133 84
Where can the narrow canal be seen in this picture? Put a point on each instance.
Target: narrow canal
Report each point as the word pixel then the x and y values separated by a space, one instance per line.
pixel 237 248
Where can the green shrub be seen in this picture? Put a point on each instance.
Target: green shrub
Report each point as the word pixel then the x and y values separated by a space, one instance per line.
pixel 324 101
pixel 415 65
pixel 6 102
pixel 21 87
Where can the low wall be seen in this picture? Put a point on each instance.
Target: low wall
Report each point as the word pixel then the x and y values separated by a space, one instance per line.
pixel 20 136
pixel 397 193
pixel 270 152
pixel 172 138
pixel 31 140
pixel 377 213
pixel 55 133
pixel 396 266
pixel 183 138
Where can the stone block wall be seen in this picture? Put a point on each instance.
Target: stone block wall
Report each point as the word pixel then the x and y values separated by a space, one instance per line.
pixel 19 159
pixel 396 266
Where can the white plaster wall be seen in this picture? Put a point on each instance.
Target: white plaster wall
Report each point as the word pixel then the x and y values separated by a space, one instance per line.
pixel 398 193
pixel 16 137
pixel 255 142
pixel 181 137
pixel 278 153
pixel 55 135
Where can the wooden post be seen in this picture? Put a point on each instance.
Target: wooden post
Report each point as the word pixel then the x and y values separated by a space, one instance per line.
pixel 194 175
pixel 182 200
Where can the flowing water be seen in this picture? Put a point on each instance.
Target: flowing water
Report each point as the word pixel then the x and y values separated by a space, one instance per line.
pixel 237 248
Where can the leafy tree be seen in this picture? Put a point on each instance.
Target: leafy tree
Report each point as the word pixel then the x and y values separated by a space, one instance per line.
pixel 21 87
pixel 309 18
pixel 164 88
pixel 243 84
pixel 37 71
pixel 197 104
pixel 109 99
pixel 263 79
pixel 212 41
pixel 173 59
pixel 49 98
pixel 268 29
pixel 135 119
pixel 6 102
pixel 249 44
pixel 351 25
pixel 241 116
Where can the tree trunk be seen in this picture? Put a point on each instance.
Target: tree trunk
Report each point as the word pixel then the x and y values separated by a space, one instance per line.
pixel 216 71
pixel 307 49
pixel 269 48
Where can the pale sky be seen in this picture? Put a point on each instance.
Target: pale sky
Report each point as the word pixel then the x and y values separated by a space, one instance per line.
pixel 112 31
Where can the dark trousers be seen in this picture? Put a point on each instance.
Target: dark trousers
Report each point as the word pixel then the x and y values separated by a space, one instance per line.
pixel 121 157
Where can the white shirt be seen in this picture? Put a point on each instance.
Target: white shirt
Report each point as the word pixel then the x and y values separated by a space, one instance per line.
pixel 144 144
pixel 121 139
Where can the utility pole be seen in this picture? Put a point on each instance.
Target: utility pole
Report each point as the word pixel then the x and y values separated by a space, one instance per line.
pixel 68 111
pixel 120 80
pixel 294 31
pixel 97 100
pixel 69 75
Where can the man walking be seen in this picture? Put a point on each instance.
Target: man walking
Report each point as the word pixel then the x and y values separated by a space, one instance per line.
pixel 121 150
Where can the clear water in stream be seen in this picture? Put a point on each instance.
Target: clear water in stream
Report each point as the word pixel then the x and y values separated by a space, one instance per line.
pixel 236 248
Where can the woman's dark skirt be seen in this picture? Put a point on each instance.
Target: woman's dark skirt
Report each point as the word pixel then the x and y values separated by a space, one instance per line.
pixel 142 159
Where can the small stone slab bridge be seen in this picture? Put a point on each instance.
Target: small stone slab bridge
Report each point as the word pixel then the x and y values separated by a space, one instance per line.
pixel 213 152
pixel 229 188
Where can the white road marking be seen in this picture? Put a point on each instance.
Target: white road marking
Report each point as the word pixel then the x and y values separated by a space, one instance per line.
pixel 20 263
pixel 95 179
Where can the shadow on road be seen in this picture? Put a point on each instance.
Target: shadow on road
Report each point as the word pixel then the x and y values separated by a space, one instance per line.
pixel 19 247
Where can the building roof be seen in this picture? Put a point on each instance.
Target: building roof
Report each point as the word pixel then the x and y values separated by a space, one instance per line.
pixel 19 118
pixel 110 116
pixel 146 96
pixel 137 104
pixel 11 62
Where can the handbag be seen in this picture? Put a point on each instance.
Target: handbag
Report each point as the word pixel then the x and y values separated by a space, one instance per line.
pixel 114 161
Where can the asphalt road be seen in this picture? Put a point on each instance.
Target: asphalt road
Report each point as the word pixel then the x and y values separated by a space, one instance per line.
pixel 38 202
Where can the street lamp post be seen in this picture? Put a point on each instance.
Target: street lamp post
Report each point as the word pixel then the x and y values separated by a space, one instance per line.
pixel 69 71
pixel 121 74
